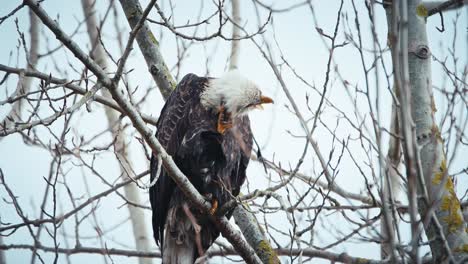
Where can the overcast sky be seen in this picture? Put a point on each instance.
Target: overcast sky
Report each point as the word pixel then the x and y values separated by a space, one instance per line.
pixel 292 36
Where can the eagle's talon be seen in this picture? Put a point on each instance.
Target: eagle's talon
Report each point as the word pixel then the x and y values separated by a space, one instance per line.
pixel 223 126
pixel 214 206
pixel 224 120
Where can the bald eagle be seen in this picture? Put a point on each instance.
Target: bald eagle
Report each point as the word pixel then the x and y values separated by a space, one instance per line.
pixel 204 127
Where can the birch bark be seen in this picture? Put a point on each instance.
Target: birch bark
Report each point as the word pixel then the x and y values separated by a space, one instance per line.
pixel 438 205
pixel 24 83
pixel 137 217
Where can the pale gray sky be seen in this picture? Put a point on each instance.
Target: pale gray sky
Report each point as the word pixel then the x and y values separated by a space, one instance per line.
pixel 296 40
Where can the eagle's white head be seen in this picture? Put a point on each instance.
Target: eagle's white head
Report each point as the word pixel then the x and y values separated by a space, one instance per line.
pixel 237 94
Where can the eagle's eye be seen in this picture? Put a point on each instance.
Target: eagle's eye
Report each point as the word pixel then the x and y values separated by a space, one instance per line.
pixel 249 106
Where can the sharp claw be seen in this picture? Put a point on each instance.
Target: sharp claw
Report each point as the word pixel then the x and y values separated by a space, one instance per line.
pixel 224 120
pixel 214 206
pixel 221 128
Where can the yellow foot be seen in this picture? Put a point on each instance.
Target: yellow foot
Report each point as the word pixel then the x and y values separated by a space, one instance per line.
pixel 214 206
pixel 224 120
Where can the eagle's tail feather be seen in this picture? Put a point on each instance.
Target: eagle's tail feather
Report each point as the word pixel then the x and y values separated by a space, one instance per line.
pixel 196 227
pixel 179 246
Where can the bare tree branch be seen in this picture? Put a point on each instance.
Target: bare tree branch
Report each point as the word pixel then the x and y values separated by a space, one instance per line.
pixel 429 8
pixel 142 241
pixel 24 84
pixel 75 88
pixel 425 159
pixel 308 252
pixel 181 180
pixel 149 47
pixel 326 173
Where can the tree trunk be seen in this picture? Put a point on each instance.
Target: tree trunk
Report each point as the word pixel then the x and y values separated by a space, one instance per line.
pixel 254 235
pixel 24 83
pixel 235 44
pixel 149 47
pixel 438 204
pixel 137 217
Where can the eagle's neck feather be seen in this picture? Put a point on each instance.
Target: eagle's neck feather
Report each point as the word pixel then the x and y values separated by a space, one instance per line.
pixel 232 90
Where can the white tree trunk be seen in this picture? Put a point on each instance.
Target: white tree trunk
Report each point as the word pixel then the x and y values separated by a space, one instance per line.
pixel 24 83
pixel 235 44
pixel 149 47
pixel 439 206
pixel 137 217
pixel 254 235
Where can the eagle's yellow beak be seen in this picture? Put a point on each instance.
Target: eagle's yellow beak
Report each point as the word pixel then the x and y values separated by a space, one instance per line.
pixel 264 100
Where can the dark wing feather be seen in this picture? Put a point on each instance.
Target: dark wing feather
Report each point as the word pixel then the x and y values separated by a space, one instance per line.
pixel 171 128
pixel 215 164
pixel 242 135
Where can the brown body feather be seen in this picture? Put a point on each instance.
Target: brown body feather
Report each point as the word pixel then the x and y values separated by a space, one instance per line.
pixel 215 164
